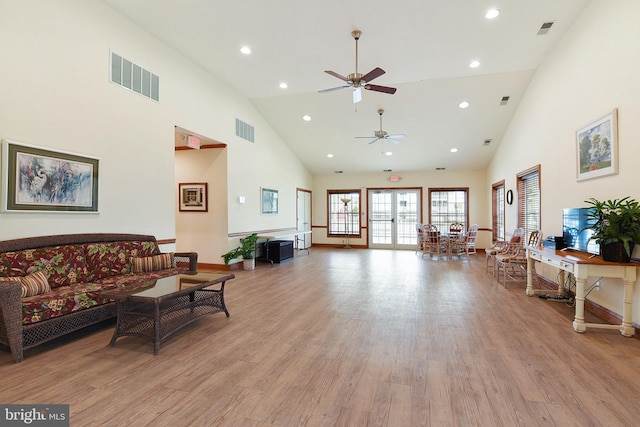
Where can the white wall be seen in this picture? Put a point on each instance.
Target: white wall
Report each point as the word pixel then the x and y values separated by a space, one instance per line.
pixel 479 197
pixel 593 70
pixel 55 92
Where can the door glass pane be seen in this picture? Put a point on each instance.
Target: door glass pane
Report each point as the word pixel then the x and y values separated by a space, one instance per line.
pixel 406 217
pixel 382 211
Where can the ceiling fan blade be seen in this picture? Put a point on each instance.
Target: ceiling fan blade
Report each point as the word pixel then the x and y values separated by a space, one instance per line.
pixel 334 74
pixel 332 89
pixel 385 89
pixel 392 141
pixel 373 140
pixel 375 73
pixel 396 136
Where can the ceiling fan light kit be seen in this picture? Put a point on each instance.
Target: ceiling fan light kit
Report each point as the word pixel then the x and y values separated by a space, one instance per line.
pixel 383 135
pixel 358 80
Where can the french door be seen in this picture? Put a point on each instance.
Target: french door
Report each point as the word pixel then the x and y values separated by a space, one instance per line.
pixel 392 218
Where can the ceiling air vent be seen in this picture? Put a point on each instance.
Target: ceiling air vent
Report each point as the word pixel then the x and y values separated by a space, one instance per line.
pixel 133 77
pixel 244 130
pixel 337 172
pixel 544 28
pixel 504 100
pixel 487 142
pixel 440 169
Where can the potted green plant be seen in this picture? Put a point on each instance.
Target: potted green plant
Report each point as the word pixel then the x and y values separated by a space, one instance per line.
pixel 246 250
pixel 616 227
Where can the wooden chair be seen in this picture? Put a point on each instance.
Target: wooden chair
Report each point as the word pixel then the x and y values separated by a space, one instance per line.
pixel 420 235
pixel 457 228
pixel 514 265
pixel 433 243
pixel 501 246
pixel 465 244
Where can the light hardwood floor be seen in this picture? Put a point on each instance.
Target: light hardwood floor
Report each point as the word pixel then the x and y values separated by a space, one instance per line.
pixel 348 338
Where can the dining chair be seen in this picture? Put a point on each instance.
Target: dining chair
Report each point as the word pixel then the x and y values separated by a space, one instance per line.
pixel 433 242
pixel 514 265
pixel 457 228
pixel 501 246
pixel 420 236
pixel 464 244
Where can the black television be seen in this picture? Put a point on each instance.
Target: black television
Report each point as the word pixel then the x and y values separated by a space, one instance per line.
pixel 574 221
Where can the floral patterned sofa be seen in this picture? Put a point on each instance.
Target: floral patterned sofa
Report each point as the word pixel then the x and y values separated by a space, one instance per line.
pixel 50 285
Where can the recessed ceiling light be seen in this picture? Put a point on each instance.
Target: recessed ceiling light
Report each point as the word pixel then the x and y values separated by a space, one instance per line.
pixel 283 85
pixel 388 153
pixel 246 50
pixel 463 104
pixel 306 118
pixel 474 64
pixel 329 155
pixel 492 13
pixel 454 150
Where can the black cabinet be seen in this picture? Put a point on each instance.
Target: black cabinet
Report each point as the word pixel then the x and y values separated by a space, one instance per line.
pixel 280 250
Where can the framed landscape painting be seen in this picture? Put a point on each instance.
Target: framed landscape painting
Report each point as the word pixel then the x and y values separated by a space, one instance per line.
pixel 36 179
pixel 597 147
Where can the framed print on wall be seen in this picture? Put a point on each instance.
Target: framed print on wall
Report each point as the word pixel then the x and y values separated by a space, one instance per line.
pixel 269 201
pixel 597 148
pixel 194 197
pixel 36 179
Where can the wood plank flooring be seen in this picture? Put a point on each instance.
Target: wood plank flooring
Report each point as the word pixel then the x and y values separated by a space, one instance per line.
pixel 348 337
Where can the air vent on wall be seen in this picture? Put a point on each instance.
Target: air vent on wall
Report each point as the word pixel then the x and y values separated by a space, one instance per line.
pixel 504 100
pixel 544 28
pixel 440 169
pixel 244 130
pixel 487 142
pixel 135 78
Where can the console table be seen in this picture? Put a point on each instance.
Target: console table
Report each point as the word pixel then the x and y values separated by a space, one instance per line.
pixel 583 265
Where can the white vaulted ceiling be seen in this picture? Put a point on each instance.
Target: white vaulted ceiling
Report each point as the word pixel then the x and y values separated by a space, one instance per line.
pixel 425 47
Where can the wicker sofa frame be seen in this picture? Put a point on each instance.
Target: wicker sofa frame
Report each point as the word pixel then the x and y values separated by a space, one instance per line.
pixel 19 337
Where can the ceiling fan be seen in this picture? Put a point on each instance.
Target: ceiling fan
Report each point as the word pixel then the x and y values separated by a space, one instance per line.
pixel 357 80
pixel 383 135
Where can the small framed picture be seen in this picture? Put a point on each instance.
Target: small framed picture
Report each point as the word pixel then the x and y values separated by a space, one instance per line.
pixel 193 197
pixel 597 148
pixel 269 201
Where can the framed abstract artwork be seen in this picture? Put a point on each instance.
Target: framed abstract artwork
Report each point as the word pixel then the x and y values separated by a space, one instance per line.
pixel 269 201
pixel 194 197
pixel 597 148
pixel 36 179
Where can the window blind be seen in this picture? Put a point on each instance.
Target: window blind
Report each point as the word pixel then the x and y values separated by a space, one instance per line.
pixel 497 211
pixel 529 200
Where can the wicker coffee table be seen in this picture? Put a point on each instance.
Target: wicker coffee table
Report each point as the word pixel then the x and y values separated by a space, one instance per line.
pixel 155 309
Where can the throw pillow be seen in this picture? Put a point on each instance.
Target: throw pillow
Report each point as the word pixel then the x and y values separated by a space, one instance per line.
pixel 32 284
pixel 152 263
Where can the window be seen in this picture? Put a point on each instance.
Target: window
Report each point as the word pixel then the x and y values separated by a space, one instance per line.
pixel 448 205
pixel 529 200
pixel 497 210
pixel 344 218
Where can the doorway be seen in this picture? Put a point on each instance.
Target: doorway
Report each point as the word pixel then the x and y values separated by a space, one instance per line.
pixel 303 222
pixel 392 218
